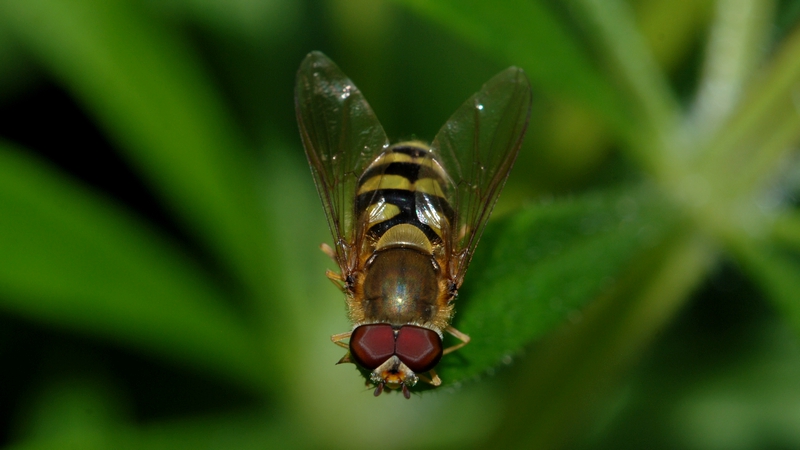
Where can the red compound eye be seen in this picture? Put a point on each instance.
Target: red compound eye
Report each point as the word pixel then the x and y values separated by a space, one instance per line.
pixel 419 348
pixel 371 345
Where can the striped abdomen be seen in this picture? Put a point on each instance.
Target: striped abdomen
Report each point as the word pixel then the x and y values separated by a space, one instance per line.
pixel 402 197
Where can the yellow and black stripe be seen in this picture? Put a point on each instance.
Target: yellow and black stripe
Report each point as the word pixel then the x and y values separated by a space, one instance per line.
pixel 402 185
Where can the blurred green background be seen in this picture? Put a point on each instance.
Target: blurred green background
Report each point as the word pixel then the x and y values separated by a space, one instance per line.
pixel 160 279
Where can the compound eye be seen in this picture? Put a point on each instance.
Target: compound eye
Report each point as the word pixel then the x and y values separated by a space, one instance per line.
pixel 419 348
pixel 371 345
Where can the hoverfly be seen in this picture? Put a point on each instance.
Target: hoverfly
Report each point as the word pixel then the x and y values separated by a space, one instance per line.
pixel 405 218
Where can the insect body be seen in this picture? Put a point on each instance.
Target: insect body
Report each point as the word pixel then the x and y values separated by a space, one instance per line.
pixel 405 218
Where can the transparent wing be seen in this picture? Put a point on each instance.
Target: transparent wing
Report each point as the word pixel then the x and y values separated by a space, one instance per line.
pixel 341 136
pixel 477 147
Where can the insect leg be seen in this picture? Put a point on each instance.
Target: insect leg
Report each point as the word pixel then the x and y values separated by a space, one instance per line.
pixel 460 336
pixel 328 251
pixel 336 278
pixel 434 380
pixel 338 338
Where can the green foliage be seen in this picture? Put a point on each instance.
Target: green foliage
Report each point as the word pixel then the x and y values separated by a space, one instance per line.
pixel 529 34
pixel 544 263
pixel 75 260
pixel 564 295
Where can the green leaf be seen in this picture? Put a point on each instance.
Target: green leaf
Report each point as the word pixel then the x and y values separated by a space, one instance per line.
pixel 74 260
pixel 90 410
pixel 751 146
pixel 242 432
pixel 566 376
pixel 786 229
pixel 539 267
pixel 736 46
pixel 777 271
pixel 528 34
pixel 624 50
pixel 150 95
